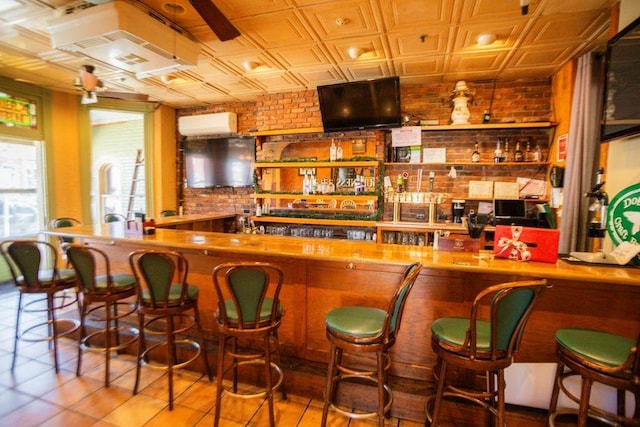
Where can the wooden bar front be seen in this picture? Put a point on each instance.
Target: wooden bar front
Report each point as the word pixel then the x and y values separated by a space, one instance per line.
pixel 322 274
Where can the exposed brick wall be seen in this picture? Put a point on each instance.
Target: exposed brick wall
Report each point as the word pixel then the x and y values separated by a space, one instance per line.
pixel 521 101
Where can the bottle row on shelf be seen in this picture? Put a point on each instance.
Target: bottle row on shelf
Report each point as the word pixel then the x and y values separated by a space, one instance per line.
pixel 503 152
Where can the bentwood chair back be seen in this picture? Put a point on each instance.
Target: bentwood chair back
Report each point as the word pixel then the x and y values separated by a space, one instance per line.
pixel 482 345
pixel 63 241
pixel 114 217
pixel 364 329
pixel 107 299
pixel 597 357
pixel 34 268
pixel 166 298
pixel 248 307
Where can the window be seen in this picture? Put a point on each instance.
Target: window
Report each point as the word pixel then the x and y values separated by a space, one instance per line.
pixel 21 184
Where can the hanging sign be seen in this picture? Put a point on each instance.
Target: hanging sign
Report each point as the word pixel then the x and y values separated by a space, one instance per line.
pixel 623 216
pixel 17 112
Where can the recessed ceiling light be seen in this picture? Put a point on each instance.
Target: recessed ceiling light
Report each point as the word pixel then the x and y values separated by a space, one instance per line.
pixel 250 65
pixel 355 52
pixel 486 39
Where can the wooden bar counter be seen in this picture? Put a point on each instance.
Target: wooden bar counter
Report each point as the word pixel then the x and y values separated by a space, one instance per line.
pixel 323 274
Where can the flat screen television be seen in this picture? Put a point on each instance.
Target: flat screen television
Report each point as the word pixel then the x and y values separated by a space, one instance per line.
pixel 365 104
pixel 220 162
pixel 621 109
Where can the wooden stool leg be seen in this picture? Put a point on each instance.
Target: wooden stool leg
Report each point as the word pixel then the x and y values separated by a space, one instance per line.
pixel 219 374
pixel 381 393
pixel 585 395
pixel 330 386
pixel 435 417
pixel 268 379
pixel 553 404
pixel 501 386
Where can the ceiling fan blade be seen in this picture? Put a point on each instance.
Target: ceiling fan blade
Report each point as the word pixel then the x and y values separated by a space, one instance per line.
pixel 218 23
pixel 128 96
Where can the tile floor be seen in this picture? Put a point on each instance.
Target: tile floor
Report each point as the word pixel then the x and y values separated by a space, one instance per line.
pixel 33 395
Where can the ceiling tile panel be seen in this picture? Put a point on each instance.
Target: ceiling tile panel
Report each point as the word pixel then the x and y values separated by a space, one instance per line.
pixel 277 29
pixel 427 66
pixel 421 14
pixel 350 18
pixel 551 55
pixel 568 27
pixel 485 11
pixel 416 42
pixel 367 70
pixel 233 9
pixel 317 76
pixel 294 57
pixel 489 61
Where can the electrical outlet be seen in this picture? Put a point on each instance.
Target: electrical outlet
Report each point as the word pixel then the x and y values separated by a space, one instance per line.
pixel 419 216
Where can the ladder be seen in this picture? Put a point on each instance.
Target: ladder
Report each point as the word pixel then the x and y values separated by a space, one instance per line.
pixel 134 184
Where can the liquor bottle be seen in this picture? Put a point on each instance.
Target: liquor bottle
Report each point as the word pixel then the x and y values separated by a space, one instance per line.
pixel 339 151
pixel 475 156
pixel 497 153
pixel 313 186
pixel 333 151
pixel 507 151
pixel 518 156
pixel 305 184
pixel 537 153
pixel 528 157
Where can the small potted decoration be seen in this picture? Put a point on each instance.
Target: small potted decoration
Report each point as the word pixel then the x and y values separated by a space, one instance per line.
pixel 461 96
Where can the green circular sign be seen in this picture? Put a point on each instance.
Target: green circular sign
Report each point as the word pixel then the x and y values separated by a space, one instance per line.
pixel 623 217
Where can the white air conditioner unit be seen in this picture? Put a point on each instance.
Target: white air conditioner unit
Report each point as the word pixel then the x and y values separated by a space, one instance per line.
pixel 208 124
pixel 125 36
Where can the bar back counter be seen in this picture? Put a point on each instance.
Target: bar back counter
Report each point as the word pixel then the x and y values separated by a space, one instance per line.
pixel 320 275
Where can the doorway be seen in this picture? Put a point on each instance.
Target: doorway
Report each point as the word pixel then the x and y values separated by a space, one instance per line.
pixel 117 171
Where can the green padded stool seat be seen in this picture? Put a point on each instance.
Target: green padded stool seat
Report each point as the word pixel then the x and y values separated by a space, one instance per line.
pixel 175 293
pixel 596 346
pixel 596 356
pixel 364 329
pixel 357 321
pixel 453 331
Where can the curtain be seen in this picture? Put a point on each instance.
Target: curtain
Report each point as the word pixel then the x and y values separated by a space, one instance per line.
pixel 583 152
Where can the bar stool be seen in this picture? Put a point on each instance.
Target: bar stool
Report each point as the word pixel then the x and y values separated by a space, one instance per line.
pixel 102 296
pixel 64 241
pixel 362 329
pixel 168 307
pixel 248 308
pixel 479 345
pixel 596 357
pixel 25 260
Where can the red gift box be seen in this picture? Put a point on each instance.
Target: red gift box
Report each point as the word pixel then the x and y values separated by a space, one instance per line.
pixel 526 243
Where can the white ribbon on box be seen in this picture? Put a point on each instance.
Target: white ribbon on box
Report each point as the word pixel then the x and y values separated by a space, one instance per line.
pixel 518 250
